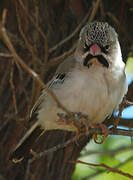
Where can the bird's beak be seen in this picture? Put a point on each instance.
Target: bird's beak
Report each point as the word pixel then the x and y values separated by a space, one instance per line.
pixel 95 49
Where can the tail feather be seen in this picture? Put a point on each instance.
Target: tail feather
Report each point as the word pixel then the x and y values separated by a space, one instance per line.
pixel 23 147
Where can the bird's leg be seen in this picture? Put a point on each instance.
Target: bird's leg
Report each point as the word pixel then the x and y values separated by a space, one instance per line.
pixel 68 120
pixel 84 121
pixel 78 121
pixel 105 132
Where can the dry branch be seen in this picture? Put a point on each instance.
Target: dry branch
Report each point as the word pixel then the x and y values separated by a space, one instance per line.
pixel 98 172
pixel 6 55
pixel 121 28
pixel 94 10
pixel 13 88
pixel 91 131
pixel 38 29
pixel 71 35
pixel 111 152
pixel 28 69
pixel 106 167
pixel 92 16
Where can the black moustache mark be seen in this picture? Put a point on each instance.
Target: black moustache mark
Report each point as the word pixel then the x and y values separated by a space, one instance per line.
pixel 103 61
pixel 86 60
pixel 100 58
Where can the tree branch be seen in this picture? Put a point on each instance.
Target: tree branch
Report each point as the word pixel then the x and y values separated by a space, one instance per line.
pixel 28 69
pixel 71 35
pixel 92 16
pixel 98 172
pixel 106 167
pixel 75 139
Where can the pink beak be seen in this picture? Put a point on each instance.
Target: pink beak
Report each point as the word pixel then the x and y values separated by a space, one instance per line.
pixel 95 49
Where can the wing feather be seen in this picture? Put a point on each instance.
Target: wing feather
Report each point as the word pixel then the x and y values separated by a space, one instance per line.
pixel 61 74
pixel 54 83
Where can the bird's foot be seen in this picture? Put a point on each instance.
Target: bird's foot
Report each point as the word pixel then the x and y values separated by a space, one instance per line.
pixel 78 121
pixel 105 132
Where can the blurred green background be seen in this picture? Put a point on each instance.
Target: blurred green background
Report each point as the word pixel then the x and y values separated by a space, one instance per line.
pixel 116 151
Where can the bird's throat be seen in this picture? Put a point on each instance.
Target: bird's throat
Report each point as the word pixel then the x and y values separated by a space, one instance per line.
pixel 96 59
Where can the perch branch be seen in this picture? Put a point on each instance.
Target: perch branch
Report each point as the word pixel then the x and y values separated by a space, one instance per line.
pixel 91 131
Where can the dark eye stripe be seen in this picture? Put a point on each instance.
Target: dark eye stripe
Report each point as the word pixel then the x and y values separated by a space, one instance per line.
pixel 105 49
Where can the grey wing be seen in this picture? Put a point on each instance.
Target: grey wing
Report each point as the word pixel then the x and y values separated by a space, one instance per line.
pixel 54 83
pixel 62 73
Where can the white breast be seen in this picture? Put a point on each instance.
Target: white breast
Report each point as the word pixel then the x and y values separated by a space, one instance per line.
pixel 88 92
pixel 93 91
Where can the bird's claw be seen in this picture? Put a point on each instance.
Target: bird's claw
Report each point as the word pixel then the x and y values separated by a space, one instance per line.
pixel 105 132
pixel 79 121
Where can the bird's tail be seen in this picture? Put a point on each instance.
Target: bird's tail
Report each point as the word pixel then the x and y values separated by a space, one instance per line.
pixel 25 144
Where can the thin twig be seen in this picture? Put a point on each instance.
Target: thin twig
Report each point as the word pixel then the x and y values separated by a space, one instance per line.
pixel 13 88
pixel 128 102
pixel 6 55
pixel 37 18
pixel 22 80
pixel 71 35
pixel 105 171
pixel 121 28
pixel 106 167
pixel 56 60
pixel 37 27
pixel 111 152
pixel 74 139
pixel 92 16
pixel 4 79
pixel 57 147
pixel 33 50
pixel 25 37
pixel 121 132
pixel 94 10
pixel 16 40
pixel 4 17
pixel 27 170
pixel 126 122
pixel 28 69
pixel 4 124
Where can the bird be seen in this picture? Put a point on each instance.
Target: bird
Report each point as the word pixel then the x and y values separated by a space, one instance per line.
pixel 92 81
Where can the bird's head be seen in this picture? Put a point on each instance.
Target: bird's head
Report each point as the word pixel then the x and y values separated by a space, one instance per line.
pixel 98 40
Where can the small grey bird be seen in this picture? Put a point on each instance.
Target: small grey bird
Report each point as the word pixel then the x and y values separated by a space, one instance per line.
pixel 91 81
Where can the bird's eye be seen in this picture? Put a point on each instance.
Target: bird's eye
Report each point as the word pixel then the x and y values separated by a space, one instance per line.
pixel 106 47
